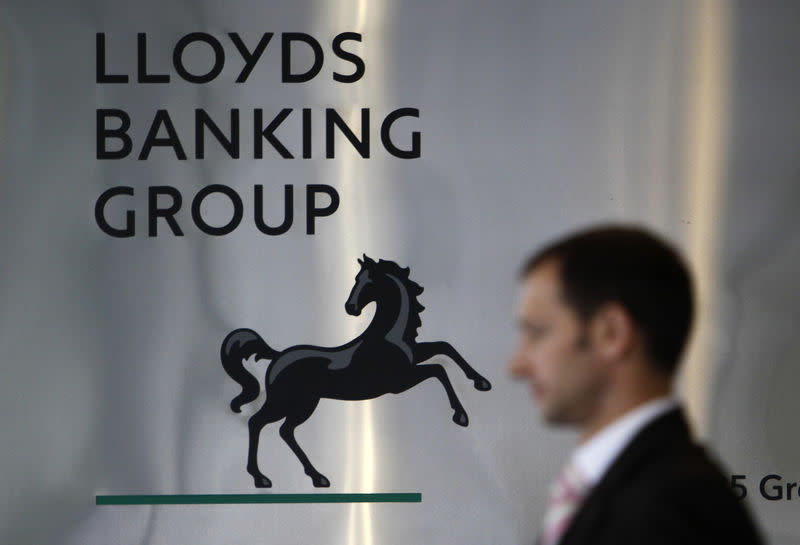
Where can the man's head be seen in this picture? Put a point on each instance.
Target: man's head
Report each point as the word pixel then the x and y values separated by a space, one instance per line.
pixel 604 318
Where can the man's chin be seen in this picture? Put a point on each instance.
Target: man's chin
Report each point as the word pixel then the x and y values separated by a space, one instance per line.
pixel 553 418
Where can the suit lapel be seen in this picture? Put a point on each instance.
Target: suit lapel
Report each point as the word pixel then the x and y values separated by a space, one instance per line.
pixel 646 446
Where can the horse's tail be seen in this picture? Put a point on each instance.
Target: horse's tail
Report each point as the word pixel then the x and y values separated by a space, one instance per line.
pixel 239 345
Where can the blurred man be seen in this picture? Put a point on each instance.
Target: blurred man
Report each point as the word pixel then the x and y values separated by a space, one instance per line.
pixel 604 317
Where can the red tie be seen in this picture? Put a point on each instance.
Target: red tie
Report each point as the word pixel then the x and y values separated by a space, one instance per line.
pixel 566 495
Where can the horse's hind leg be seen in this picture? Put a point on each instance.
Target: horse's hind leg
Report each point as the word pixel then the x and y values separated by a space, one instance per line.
pixel 287 432
pixel 264 416
pixel 423 372
pixel 425 351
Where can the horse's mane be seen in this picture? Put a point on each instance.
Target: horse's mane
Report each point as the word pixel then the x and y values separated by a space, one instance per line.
pixel 413 289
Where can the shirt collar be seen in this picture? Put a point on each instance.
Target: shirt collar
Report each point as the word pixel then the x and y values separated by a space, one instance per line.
pixel 594 457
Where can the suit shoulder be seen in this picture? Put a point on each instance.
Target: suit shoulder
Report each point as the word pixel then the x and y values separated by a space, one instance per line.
pixel 684 493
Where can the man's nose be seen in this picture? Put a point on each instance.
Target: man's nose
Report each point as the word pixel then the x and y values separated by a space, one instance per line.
pixel 516 365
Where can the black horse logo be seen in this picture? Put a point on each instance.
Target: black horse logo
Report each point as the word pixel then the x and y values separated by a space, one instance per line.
pixel 383 359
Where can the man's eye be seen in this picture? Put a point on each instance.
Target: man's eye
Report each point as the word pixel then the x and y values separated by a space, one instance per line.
pixel 534 332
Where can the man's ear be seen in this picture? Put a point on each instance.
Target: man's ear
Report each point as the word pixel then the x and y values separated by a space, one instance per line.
pixel 613 332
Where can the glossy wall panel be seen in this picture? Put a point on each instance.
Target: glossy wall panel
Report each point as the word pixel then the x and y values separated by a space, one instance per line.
pixel 534 118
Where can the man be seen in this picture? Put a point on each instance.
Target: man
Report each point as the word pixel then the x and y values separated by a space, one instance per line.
pixel 604 317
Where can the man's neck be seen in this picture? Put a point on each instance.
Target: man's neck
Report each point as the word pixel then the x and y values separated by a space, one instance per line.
pixel 594 456
pixel 618 405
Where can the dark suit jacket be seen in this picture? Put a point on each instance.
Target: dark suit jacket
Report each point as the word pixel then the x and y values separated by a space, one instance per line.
pixel 662 490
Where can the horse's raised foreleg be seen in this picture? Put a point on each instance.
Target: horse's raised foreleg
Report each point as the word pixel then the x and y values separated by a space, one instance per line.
pixel 425 351
pixel 287 433
pixel 264 416
pixel 423 372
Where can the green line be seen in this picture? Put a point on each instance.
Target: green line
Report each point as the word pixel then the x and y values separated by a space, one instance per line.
pixel 219 499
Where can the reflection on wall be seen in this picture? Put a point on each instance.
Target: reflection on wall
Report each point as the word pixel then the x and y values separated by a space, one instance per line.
pixel 536 118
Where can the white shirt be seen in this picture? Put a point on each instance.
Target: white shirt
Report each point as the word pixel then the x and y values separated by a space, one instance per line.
pixel 594 457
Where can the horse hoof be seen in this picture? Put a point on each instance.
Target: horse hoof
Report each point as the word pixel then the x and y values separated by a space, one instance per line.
pixel 262 482
pixel 320 481
pixel 482 384
pixel 461 419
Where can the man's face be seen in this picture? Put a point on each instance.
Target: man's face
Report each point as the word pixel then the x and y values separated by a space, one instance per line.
pixel 555 353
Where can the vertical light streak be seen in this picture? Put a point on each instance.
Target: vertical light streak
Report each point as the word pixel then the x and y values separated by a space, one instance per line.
pixel 637 145
pixel 367 471
pixel 618 97
pixel 356 236
pixel 4 47
pixel 658 152
pixel 705 162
